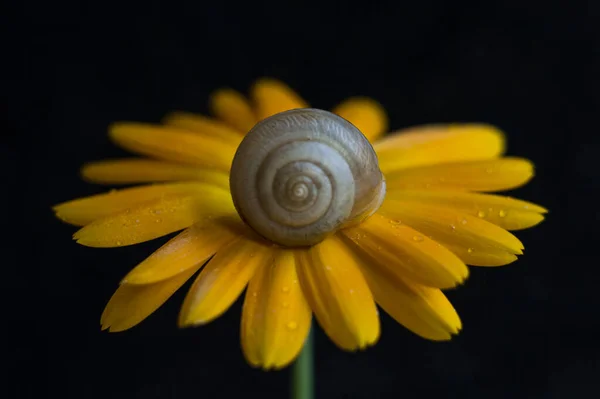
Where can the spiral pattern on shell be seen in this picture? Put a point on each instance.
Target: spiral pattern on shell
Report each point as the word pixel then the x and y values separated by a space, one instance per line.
pixel 301 175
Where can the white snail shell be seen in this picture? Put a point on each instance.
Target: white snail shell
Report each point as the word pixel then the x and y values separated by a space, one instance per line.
pixel 303 174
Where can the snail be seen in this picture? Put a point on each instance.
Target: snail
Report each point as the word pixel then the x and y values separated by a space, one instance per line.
pixel 301 175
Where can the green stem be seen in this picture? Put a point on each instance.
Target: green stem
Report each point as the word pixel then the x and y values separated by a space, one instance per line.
pixel 303 371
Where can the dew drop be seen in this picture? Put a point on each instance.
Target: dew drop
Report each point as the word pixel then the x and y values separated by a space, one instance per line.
pixel 418 238
pixel 463 221
pixel 292 325
pixel 502 213
pixel 481 214
pixel 119 243
pixel 285 289
pixel 470 250
pixel 158 220
pixel 395 223
pixel 453 227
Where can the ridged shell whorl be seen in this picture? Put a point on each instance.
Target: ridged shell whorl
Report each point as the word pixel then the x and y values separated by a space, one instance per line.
pixel 301 175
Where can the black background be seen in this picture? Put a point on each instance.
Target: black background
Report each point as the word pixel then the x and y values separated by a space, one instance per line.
pixel 531 67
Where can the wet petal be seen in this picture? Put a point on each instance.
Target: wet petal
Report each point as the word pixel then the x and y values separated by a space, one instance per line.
pixel 233 108
pixel 131 304
pixel 222 280
pixel 448 226
pixel 492 175
pixel 203 125
pixel 435 144
pixel 366 114
pixel 506 212
pixel 424 310
pixel 276 317
pixel 271 96
pixel 131 171
pixel 173 144
pixel 489 257
pixel 407 253
pixel 338 294
pixel 85 210
pixel 155 219
pixel 189 248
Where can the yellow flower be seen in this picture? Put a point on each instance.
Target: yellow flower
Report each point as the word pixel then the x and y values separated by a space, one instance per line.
pixel 433 222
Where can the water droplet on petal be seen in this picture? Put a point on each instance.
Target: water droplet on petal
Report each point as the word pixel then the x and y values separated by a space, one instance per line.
pixel 158 220
pixel 119 243
pixel 470 250
pixel 453 227
pixel 481 214
pixel 292 325
pixel 502 213
pixel 463 221
pixel 418 238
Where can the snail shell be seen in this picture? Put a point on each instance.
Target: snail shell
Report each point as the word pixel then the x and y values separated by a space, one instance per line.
pixel 303 174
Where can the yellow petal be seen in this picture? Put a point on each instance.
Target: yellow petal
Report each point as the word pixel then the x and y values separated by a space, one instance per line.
pixel 233 108
pixel 489 257
pixel 131 304
pixel 449 226
pixel 275 317
pixel 366 114
pixel 173 144
pixel 424 310
pixel 131 171
pixel 407 253
pixel 189 248
pixel 222 280
pixel 271 97
pixel 155 219
pixel 338 294
pixel 491 175
pixel 506 212
pixel 203 125
pixel 435 144
pixel 85 210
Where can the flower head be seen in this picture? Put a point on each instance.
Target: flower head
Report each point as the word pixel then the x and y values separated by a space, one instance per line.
pixel 428 216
